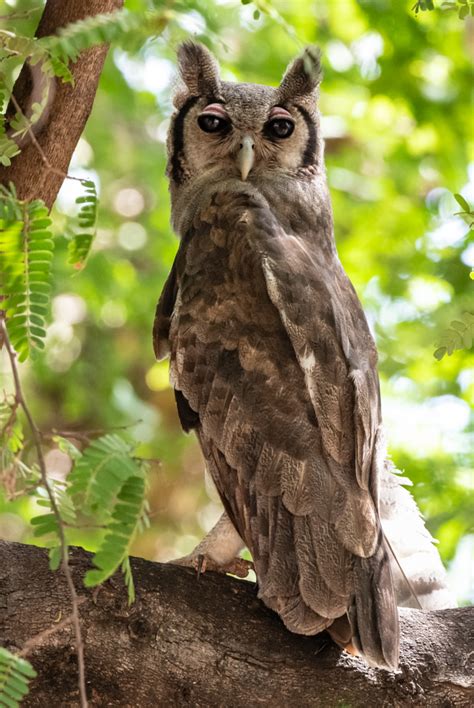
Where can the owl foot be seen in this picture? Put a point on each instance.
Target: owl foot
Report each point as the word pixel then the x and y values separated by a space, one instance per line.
pixel 341 633
pixel 237 566
pixel 350 648
pixel 200 562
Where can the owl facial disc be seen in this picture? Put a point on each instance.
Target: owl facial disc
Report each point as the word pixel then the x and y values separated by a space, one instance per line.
pixel 246 156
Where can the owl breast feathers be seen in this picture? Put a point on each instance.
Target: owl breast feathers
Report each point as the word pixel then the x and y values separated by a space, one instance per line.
pixel 271 357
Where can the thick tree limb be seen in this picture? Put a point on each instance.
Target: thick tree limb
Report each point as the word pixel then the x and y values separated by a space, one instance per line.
pixel 211 643
pixel 68 113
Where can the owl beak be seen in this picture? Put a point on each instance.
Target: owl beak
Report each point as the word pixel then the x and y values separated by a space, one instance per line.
pixel 246 156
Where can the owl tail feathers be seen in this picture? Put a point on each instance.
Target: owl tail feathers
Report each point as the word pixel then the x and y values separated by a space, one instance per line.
pixel 296 615
pixel 374 614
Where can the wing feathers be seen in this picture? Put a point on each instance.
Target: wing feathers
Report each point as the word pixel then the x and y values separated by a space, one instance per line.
pixel 270 347
pixel 375 632
pixel 313 584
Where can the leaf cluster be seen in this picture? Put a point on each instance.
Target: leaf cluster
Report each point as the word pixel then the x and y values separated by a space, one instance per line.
pixel 80 245
pixel 26 252
pixel 108 483
pixel 15 675
pixel 459 335
pixel 53 55
pixel 462 7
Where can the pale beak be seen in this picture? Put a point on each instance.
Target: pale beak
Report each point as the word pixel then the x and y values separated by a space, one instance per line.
pixel 246 156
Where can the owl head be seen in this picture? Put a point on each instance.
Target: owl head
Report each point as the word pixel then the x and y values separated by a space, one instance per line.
pixel 245 130
pixel 242 133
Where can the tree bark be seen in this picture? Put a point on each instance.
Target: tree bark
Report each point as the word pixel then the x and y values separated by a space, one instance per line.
pixel 211 642
pixel 69 109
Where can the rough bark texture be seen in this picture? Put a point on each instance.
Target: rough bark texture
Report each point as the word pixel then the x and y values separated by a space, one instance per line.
pixel 210 642
pixel 68 112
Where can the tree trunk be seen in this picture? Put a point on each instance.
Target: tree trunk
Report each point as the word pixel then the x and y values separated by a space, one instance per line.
pixel 69 109
pixel 211 642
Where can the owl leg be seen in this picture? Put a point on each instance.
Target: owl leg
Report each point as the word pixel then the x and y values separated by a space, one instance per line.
pixel 218 551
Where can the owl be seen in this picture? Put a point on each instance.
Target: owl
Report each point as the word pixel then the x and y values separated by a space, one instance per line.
pixel 274 367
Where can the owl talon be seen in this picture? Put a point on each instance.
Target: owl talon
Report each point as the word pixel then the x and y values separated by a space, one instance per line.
pixel 350 649
pixel 201 564
pixel 237 566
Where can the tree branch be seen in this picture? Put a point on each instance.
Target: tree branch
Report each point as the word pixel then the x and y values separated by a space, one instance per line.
pixel 212 643
pixel 39 170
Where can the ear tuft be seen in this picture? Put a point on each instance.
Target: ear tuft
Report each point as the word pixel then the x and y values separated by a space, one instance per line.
pixel 303 76
pixel 199 69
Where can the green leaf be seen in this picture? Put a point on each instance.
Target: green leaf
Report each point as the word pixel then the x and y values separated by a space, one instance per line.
pixel 55 557
pixel 462 202
pixel 26 251
pixel 128 577
pixel 100 472
pixel 458 336
pixel 114 549
pixel 80 245
pixel 15 675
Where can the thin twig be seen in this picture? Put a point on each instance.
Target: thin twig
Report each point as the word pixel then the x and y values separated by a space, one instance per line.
pixel 26 14
pixel 54 507
pixel 30 644
pixel 31 133
pixel 91 433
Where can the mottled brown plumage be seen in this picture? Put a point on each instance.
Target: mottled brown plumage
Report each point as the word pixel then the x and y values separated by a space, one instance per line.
pixel 271 356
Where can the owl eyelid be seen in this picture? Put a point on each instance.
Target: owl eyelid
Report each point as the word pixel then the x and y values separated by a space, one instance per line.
pixel 215 109
pixel 279 112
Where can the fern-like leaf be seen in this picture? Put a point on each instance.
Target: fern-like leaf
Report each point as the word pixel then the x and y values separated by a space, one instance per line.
pixel 26 251
pixel 100 472
pixel 46 526
pixel 108 482
pixel 15 675
pixel 72 39
pixel 128 578
pixel 8 147
pixel 11 433
pixel 120 534
pixel 459 335
pixel 80 245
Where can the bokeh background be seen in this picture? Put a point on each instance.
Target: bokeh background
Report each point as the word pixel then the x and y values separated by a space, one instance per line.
pixel 398 124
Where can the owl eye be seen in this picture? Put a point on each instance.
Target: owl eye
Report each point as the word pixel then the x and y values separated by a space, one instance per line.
pixel 279 128
pixel 210 123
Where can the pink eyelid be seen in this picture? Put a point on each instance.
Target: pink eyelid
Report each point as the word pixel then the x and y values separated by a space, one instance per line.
pixel 279 112
pixel 216 109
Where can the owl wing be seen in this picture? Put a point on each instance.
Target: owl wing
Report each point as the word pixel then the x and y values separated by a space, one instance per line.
pixel 324 320
pixel 263 357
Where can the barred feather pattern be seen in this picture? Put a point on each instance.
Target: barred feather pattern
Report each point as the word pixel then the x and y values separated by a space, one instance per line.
pixel 271 353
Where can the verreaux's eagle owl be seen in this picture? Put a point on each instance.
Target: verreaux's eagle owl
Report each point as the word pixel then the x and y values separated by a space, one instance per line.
pixel 272 360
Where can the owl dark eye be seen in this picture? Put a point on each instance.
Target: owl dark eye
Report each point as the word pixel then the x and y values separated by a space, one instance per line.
pixel 279 128
pixel 210 123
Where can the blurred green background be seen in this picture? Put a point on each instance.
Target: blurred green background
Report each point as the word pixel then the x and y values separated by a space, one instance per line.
pixel 398 124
